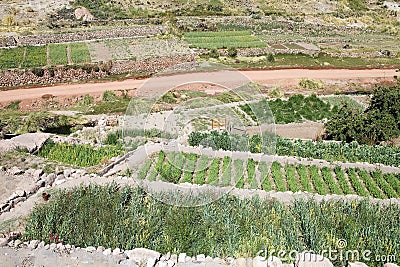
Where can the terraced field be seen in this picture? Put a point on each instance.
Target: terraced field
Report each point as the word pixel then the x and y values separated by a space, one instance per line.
pixel 40 56
pixel 137 48
pixel 191 168
pixel 223 39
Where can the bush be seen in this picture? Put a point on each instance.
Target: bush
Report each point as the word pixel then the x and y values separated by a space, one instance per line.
pixel 109 96
pixel 379 122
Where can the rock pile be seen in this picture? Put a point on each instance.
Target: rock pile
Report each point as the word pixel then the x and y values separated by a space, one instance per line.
pixel 143 257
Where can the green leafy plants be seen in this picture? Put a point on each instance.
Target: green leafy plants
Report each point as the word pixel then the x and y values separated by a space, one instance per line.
pixel 265 181
pixel 213 172
pixel 276 172
pixel 11 58
pixel 190 167
pixel 202 165
pixel 79 53
pixel 239 173
pixel 124 217
pixel 356 183
pixel 304 178
pixel 226 179
pixel 58 54
pixel 343 182
pixel 36 56
pixel 318 183
pixel 292 181
pixel 142 173
pixel 223 39
pixel 329 180
pixel 251 175
pixel 79 155
pixel 370 184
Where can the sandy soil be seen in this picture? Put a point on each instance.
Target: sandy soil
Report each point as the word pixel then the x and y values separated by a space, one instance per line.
pixel 284 77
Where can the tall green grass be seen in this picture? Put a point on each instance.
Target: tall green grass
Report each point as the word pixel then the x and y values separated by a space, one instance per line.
pixel 128 218
pixel 79 155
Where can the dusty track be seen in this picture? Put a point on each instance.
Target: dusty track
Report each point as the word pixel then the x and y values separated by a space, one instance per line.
pixel 268 77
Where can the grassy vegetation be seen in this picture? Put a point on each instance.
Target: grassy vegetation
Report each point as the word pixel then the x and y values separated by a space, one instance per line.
pixel 329 151
pixel 11 58
pixel 224 39
pixel 36 56
pixel 79 53
pixel 58 54
pixel 280 178
pixel 296 109
pixel 79 155
pixel 128 218
pixel 322 60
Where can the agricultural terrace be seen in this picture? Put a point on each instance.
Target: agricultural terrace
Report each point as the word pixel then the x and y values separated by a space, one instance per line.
pixel 40 56
pixel 223 39
pixel 329 151
pixel 229 227
pixel 137 48
pixel 178 167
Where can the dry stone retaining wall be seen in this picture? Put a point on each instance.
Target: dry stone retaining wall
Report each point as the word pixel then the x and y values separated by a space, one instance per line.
pixel 10 78
pixel 43 39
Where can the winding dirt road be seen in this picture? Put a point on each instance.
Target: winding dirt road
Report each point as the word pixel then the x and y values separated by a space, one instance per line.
pixel 267 77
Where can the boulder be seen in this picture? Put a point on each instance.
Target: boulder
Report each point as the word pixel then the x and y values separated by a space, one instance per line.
pixel 259 262
pixel 182 258
pixel 274 262
pixel 30 141
pixel 33 244
pixel 3 242
pixel 307 259
pixel 15 171
pixel 142 254
pixel 390 265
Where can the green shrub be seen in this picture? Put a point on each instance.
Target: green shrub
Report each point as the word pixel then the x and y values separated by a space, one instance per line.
pixel 109 96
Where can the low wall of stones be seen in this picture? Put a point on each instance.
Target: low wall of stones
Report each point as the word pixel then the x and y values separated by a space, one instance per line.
pixel 12 78
pixel 43 39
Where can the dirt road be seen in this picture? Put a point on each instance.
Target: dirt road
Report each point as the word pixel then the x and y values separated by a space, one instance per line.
pixel 268 77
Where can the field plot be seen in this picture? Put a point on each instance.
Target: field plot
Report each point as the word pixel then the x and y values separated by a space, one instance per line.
pixel 35 56
pixel 99 52
pixel 80 53
pixel 224 39
pixel 11 58
pixel 255 175
pixel 296 109
pixel 137 48
pixel 58 54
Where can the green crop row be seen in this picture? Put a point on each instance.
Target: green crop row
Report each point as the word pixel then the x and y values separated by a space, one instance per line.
pixel 330 151
pixel 258 175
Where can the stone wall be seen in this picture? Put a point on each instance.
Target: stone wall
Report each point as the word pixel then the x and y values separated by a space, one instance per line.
pixel 43 39
pixel 10 78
